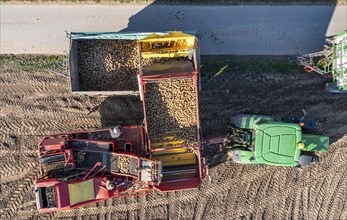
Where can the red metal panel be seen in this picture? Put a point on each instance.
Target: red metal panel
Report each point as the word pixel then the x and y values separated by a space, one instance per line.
pixel 52 144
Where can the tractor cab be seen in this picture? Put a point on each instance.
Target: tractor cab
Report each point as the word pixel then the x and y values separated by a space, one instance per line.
pixel 277 143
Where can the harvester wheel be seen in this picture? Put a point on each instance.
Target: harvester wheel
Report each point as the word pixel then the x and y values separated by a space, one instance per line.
pixel 308 159
pixel 230 153
pixel 110 185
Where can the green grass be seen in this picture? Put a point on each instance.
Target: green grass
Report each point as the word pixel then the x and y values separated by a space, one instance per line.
pixel 197 2
pixel 209 64
pixel 215 65
pixel 33 63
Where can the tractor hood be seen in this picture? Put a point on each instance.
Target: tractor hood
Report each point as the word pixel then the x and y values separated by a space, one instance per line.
pixel 277 144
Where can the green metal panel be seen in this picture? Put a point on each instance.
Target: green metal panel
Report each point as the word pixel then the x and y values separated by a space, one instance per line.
pixel 315 142
pixel 249 121
pixel 339 60
pixel 277 143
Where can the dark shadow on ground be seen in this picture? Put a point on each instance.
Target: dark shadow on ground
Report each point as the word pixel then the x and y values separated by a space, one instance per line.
pixel 121 110
pixel 241 30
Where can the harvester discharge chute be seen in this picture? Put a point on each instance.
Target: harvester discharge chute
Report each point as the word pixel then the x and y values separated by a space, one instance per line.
pixel 174 44
pixel 331 62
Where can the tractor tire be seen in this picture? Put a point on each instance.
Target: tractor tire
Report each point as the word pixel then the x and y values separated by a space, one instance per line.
pixel 307 159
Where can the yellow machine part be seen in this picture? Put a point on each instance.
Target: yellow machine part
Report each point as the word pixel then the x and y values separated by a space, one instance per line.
pixel 174 44
pixel 168 144
pixel 177 159
pixel 168 141
pixel 178 150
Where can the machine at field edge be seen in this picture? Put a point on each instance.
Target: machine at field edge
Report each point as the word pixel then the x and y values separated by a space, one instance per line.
pixel 331 62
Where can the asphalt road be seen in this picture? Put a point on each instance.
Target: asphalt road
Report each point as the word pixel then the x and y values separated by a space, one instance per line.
pixel 241 30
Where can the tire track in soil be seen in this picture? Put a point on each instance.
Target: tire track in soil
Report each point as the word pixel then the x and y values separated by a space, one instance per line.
pixel 171 206
pixel 340 200
pixel 304 183
pixel 43 105
pixel 325 195
pixel 142 204
pixel 12 172
pixel 33 215
pixel 17 196
pixel 150 198
pixel 336 197
pixel 275 196
pixel 200 206
pixel 178 205
pixel 343 214
pixel 8 153
pixel 131 200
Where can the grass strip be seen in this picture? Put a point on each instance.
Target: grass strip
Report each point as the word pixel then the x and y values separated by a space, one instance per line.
pixel 248 64
pixel 209 64
pixel 32 63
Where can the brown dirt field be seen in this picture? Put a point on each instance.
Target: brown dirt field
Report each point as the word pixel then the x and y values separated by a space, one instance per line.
pixel 40 103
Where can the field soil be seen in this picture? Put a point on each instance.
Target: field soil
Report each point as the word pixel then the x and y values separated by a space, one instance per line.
pixel 40 103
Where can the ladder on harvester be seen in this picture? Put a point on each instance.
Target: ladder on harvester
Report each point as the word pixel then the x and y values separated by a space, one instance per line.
pixel 339 61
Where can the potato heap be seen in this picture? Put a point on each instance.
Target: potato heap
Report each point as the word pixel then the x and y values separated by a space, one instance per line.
pixel 163 60
pixel 124 164
pixel 171 111
pixel 108 65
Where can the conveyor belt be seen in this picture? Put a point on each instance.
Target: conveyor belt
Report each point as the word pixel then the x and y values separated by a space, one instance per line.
pixel 177 159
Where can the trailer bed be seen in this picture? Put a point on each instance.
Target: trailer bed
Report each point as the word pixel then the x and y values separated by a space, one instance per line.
pixel 171 112
pixel 104 66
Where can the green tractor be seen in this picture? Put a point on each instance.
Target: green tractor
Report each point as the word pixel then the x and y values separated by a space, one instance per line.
pixel 277 141
pixel 331 62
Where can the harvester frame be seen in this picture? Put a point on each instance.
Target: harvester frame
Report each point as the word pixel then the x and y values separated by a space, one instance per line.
pixel 79 161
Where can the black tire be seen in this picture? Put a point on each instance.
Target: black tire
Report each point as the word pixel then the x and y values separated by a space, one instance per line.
pixel 307 159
